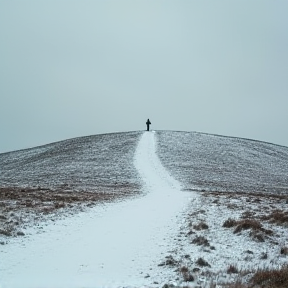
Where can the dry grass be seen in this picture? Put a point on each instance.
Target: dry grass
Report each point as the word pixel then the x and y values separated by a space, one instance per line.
pixel 257 217
pixel 19 206
pixel 201 241
pixel 252 196
pixel 200 226
pixel 248 214
pixel 186 274
pixel 270 278
pixel 232 269
pixel 284 250
pixel 201 262
pixel 279 217
pixel 246 224
pixel 255 226
pixel 229 223
pixel 266 278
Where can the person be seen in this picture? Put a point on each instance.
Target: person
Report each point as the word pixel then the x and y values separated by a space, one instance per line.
pixel 148 123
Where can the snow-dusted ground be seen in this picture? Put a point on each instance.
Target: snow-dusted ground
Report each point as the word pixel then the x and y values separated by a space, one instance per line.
pixel 150 238
pixel 117 244
pixel 217 163
pixel 92 163
pixel 234 178
pixel 247 250
pixel 41 182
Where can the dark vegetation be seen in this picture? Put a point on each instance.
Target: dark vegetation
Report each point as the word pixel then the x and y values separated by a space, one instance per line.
pixel 232 269
pixel 201 241
pixel 255 226
pixel 201 262
pixel 200 226
pixel 278 217
pixel 266 278
pixel 271 278
pixel 262 278
pixel 186 274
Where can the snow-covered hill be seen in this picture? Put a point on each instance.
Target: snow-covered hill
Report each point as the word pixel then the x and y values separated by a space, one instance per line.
pixel 225 216
pixel 42 182
pixel 104 162
pixel 225 164
pixel 93 163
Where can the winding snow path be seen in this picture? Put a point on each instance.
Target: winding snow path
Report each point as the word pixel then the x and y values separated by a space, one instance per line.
pixel 108 246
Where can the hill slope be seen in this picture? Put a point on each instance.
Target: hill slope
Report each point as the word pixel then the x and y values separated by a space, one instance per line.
pixel 92 163
pixel 211 231
pixel 90 169
pixel 225 164
pixel 103 162
pixel 43 181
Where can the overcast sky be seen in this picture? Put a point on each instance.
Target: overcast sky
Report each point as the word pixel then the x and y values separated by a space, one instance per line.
pixel 75 68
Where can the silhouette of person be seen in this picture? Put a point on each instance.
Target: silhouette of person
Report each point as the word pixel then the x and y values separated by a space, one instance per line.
pixel 148 123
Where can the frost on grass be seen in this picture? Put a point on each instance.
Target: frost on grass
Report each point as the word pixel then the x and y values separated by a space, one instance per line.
pixel 237 242
pixel 200 240
pixel 205 162
pixel 65 177
pixel 93 163
pixel 240 183
pixel 21 208
pixel 257 231
pixel 264 278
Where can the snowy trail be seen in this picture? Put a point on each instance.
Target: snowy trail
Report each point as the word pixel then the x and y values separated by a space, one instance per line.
pixel 108 246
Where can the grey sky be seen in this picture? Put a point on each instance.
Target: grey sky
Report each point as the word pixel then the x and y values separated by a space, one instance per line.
pixel 75 68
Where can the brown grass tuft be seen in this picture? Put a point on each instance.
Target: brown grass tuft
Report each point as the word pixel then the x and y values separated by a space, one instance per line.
pixel 271 278
pixel 201 226
pixel 248 214
pixel 229 223
pixel 277 216
pixel 244 224
pixel 232 269
pixel 236 285
pixel 187 276
pixel 264 279
pixel 284 250
pixel 201 262
pixel 200 240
